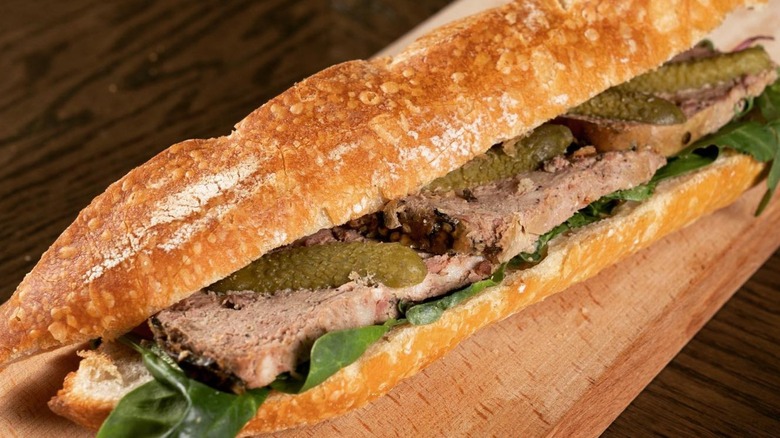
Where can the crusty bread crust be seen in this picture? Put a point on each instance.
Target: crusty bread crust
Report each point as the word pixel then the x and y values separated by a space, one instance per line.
pixel 331 148
pixel 408 349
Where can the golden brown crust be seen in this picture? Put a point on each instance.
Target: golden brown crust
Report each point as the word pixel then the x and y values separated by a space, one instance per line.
pixel 366 131
pixel 407 349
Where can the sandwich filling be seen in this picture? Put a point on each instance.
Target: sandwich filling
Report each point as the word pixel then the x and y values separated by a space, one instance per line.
pixel 248 338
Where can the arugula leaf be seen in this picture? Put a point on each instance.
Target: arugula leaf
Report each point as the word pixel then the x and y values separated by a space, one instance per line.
pixel 429 312
pixel 750 137
pixel 639 193
pixel 175 405
pixel 774 172
pixel 769 101
pixel 686 162
pixel 769 105
pixel 332 352
pixel 531 258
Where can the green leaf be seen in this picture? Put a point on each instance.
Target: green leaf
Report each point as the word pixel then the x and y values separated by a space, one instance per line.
pixel 426 313
pixel 639 193
pixel 682 164
pixel 579 219
pixel 769 102
pixel 335 350
pixel 748 137
pixel 151 410
pixel 430 312
pixel 751 138
pixel 774 172
pixel 527 259
pixel 174 405
pixel 332 352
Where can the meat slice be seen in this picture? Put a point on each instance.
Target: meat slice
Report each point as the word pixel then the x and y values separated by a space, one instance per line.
pixel 244 339
pixel 502 219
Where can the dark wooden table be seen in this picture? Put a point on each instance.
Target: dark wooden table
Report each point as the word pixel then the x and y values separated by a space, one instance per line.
pixel 90 89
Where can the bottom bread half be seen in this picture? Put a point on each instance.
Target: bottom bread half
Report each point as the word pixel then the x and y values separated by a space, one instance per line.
pixel 105 375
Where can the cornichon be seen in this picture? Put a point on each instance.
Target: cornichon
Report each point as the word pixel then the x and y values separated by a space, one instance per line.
pixel 544 143
pixel 694 74
pixel 327 266
pixel 617 104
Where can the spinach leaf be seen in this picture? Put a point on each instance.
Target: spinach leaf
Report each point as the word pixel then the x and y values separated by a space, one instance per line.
pixel 431 311
pixel 332 352
pixel 175 405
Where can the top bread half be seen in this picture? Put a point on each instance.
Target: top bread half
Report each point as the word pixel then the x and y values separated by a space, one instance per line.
pixel 335 146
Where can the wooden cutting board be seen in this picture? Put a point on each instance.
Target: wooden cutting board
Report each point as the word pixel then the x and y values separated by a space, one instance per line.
pixel 564 367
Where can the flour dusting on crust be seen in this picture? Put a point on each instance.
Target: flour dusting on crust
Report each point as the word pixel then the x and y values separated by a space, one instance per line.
pixel 176 207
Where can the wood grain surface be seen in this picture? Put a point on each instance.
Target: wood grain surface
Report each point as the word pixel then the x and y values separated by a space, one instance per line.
pixel 91 89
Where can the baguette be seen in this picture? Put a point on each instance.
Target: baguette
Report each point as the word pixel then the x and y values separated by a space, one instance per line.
pixel 203 196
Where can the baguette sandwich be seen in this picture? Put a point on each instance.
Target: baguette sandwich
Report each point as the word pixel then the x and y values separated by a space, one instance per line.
pixel 484 168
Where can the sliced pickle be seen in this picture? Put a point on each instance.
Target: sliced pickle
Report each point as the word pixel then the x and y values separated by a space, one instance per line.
pixel 498 163
pixel 697 73
pixel 616 104
pixel 327 266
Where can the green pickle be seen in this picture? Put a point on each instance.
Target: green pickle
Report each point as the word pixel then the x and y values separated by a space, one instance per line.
pixel 698 73
pixel 617 104
pixel 327 266
pixel 542 144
